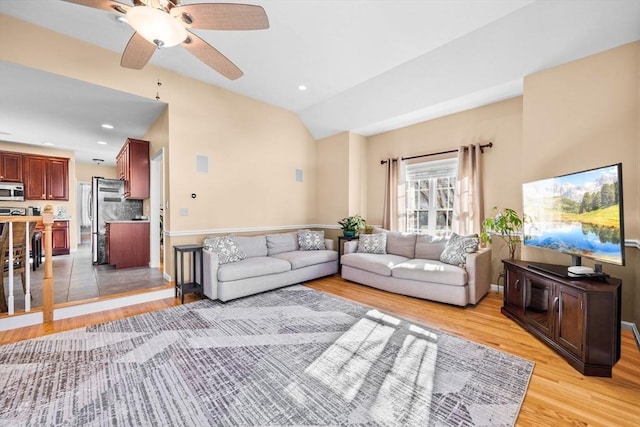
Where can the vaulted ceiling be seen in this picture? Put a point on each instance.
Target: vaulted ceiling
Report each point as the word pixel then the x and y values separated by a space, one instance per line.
pixel 369 66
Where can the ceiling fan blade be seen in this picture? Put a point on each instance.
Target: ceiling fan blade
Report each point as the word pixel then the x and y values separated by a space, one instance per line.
pixel 211 56
pixel 137 53
pixel 222 16
pixel 108 5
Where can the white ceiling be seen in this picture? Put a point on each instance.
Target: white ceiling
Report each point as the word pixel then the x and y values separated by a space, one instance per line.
pixel 370 66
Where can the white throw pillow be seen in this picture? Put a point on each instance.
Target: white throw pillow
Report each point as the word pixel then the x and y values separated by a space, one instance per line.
pixel 226 247
pixel 311 240
pixel 457 248
pixel 372 243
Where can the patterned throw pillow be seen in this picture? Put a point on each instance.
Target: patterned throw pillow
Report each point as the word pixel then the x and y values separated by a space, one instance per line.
pixel 226 247
pixel 373 243
pixel 311 240
pixel 457 248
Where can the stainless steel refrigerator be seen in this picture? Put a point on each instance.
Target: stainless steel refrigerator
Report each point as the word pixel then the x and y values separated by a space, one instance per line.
pixel 108 204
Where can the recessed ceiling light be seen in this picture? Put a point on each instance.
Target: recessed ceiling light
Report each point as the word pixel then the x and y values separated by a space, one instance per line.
pixel 107 126
pixel 47 143
pixel 302 88
pixel 102 143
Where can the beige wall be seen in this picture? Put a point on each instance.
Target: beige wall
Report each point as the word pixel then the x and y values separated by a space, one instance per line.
pixel 333 178
pixel 500 123
pixel 84 172
pixel 253 148
pixel 577 116
pixel 583 115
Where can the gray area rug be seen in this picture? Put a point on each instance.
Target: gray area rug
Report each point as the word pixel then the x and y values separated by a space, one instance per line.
pixel 293 356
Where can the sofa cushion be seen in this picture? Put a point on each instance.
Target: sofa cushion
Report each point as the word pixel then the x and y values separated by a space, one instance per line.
pixel 426 270
pixel 252 245
pixel 429 247
pixel 457 248
pixel 372 243
pixel 311 240
pixel 403 244
pixel 226 247
pixel 300 259
pixel 374 263
pixel 252 267
pixel 282 242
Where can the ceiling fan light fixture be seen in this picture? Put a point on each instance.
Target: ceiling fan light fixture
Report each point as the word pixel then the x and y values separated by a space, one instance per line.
pixel 156 26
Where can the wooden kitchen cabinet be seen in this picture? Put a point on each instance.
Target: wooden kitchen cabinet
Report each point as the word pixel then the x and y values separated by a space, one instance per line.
pixel 46 178
pixel 60 238
pixel 578 318
pixel 11 167
pixel 127 244
pixel 133 168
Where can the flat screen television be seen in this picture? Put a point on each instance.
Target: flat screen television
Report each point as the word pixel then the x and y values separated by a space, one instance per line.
pixel 579 214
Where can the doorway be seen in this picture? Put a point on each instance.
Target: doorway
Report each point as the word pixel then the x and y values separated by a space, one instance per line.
pixel 84 213
pixel 156 209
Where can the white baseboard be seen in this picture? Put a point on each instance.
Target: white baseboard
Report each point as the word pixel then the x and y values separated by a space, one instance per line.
pixel 111 303
pixel 21 320
pixel 496 288
pixel 36 318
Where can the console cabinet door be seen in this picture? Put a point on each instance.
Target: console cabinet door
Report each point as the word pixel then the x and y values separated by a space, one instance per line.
pixel 10 167
pixel 539 302
pixel 570 319
pixel 514 291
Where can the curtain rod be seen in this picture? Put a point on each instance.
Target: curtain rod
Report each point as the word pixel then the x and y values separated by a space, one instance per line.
pixel 482 147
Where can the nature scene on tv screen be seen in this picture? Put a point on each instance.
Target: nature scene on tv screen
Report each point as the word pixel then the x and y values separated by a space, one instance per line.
pixel 577 214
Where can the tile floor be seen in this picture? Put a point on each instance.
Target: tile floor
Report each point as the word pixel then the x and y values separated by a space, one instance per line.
pixel 76 278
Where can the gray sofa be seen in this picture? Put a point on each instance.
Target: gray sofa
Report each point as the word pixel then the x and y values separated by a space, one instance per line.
pixel 412 266
pixel 269 261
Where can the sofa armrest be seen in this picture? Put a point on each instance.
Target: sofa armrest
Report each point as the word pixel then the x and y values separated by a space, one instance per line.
pixel 210 271
pixel 478 268
pixel 350 246
pixel 328 244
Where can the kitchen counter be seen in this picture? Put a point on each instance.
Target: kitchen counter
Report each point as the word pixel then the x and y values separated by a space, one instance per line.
pixel 133 221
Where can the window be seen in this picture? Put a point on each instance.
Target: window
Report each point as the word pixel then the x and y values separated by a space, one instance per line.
pixel 430 194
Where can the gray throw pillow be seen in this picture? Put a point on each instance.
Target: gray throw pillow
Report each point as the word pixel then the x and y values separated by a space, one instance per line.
pixel 226 247
pixel 311 240
pixel 372 243
pixel 457 248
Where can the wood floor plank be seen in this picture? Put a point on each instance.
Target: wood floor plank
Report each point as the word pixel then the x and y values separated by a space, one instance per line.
pixel 558 395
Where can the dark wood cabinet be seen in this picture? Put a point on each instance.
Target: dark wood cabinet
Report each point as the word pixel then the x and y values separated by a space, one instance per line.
pixel 133 168
pixel 46 178
pixel 127 244
pixel 60 237
pixel 11 167
pixel 57 179
pixel 579 319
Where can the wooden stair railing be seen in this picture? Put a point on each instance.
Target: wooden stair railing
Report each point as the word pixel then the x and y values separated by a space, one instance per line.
pixel 14 254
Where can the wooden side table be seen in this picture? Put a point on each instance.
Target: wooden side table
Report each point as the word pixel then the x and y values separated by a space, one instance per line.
pixel 193 285
pixel 340 248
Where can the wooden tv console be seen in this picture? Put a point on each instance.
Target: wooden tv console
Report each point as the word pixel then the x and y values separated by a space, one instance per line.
pixel 578 318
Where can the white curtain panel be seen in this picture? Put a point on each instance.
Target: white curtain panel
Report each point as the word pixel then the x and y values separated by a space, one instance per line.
pixel 468 207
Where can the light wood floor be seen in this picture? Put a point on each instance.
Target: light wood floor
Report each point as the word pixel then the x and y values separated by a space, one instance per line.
pixel 558 395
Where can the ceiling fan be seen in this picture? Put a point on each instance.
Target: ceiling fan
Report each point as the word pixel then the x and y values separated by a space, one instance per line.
pixel 166 23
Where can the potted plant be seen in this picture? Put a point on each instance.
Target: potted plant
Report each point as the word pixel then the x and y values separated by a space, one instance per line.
pixel 351 225
pixel 506 224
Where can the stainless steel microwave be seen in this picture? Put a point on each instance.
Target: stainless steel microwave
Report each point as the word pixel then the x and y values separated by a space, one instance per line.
pixel 12 191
